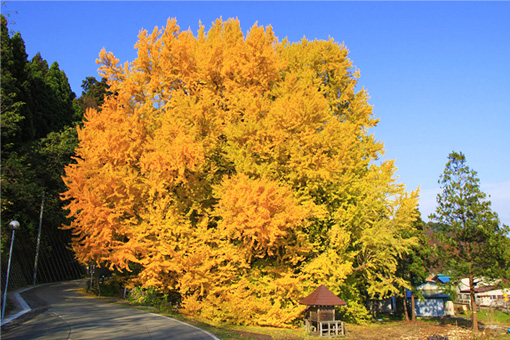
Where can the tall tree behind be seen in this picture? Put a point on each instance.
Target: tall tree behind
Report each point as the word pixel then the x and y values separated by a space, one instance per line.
pixel 475 242
pixel 14 76
pixel 36 101
pixel 93 94
pixel 38 140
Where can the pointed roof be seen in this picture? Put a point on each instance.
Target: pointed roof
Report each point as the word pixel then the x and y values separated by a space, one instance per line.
pixel 322 297
pixel 438 278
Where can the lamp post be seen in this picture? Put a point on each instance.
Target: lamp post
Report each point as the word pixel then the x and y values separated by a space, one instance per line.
pixel 14 225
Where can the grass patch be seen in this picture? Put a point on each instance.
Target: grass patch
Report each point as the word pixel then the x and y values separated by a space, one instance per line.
pixel 492 317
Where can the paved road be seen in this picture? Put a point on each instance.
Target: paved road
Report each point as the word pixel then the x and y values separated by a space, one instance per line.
pixel 60 312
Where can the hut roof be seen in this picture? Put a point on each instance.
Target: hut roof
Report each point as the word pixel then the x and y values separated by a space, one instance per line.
pixel 322 297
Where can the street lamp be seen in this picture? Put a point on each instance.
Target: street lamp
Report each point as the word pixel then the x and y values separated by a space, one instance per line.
pixel 14 225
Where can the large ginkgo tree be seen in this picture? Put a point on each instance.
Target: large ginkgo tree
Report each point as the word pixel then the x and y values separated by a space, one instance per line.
pixel 238 170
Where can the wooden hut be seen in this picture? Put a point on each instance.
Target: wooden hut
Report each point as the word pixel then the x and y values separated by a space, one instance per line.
pixel 320 314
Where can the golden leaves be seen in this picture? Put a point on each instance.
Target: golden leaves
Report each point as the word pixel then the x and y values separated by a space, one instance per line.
pixel 263 215
pixel 237 169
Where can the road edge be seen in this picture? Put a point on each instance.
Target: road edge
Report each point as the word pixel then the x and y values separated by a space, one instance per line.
pixel 25 308
pixel 187 324
pixel 116 300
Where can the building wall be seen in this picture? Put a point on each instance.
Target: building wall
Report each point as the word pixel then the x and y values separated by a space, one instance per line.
pixel 430 307
pixel 484 299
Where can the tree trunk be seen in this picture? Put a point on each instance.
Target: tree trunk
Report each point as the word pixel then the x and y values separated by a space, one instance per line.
pixel 474 316
pixel 406 313
pixel 413 308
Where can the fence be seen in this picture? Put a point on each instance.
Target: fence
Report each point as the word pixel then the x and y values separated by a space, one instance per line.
pixel 56 261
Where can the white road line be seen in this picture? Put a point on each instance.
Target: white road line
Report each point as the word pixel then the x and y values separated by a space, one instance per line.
pixel 25 308
pixel 187 324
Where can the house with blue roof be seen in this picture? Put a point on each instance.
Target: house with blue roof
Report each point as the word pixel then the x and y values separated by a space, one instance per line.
pixel 434 301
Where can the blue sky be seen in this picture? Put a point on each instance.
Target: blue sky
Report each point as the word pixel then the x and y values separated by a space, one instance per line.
pixel 438 72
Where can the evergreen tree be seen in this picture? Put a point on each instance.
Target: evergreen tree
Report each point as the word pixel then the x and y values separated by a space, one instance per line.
pixel 93 94
pixel 38 139
pixel 476 244
pixel 13 96
pixel 36 101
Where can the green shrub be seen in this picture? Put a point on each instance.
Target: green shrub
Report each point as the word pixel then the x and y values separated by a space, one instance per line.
pixel 154 298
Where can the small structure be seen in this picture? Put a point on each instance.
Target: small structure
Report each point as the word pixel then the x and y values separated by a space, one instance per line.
pixel 435 302
pixel 320 314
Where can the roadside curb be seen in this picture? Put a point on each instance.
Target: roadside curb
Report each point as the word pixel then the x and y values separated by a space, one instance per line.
pixel 25 308
pixel 116 301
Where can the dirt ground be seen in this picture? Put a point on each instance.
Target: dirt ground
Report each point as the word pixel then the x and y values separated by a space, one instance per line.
pixel 441 329
pixel 453 328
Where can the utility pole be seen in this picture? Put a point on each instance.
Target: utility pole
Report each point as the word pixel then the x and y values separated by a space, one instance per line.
pixel 38 241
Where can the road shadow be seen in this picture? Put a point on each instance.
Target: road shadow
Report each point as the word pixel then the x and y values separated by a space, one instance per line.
pixel 37 307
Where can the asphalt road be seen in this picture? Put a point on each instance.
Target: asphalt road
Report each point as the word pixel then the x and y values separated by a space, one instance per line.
pixel 60 312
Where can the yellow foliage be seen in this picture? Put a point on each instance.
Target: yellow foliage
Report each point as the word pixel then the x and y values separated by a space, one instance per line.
pixel 263 216
pixel 238 170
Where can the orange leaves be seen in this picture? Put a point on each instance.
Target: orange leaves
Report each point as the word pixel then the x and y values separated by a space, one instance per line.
pixel 263 215
pixel 218 161
pixel 170 157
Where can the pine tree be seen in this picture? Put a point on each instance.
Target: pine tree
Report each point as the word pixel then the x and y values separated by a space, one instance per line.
pixel 476 243
pixel 38 139
pixel 93 93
